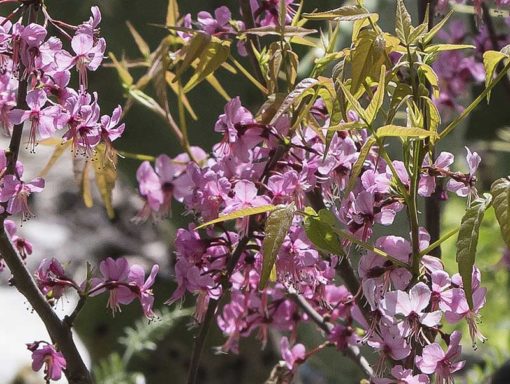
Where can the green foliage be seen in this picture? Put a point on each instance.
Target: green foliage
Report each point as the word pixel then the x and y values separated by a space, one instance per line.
pixel 138 340
pixel 500 190
pixel 467 241
pixel 113 371
pixel 318 229
pixel 277 225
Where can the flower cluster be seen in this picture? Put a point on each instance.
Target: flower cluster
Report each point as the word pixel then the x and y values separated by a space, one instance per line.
pixel 251 167
pixel 28 55
pixel 123 282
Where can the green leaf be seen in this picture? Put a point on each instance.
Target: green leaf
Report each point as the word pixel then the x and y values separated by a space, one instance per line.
pixel 358 165
pixel 403 23
pixel 240 214
pixel 366 58
pixel 144 336
pixel 500 190
pixel 106 176
pixel 491 59
pixel 377 100
pixel 277 226
pixel 345 13
pixel 210 60
pixel 319 230
pixel 468 240
pixel 398 131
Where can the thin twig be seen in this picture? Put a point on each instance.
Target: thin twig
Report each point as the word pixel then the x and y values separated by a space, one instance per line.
pixel 351 351
pixel 198 345
pixel 253 41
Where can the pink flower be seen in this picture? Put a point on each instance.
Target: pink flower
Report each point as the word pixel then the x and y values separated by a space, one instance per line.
pixel 115 279
pixel 294 356
pixel 245 196
pixel 89 55
pixel 412 307
pixel 142 288
pixel 464 184
pixel 53 361
pixel 43 121
pixel 435 361
pixel 16 193
pixel 51 278
pixel 241 133
pixel 110 128
pixel 23 246
pixel 217 25
pixel 403 376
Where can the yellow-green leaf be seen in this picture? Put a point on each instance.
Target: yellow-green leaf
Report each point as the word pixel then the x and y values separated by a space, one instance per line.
pixel 59 150
pixel 275 30
pixel 169 76
pixel 403 23
pixel 436 28
pixel 377 100
pixel 240 214
pixel 447 47
pixel 216 54
pixel 106 176
pixel 353 102
pixel 358 165
pixel 345 13
pixel 467 242
pixel 399 131
pixel 142 45
pixel 491 59
pixel 301 88
pixel 172 13
pixel 277 226
pixel 122 71
pixel 366 58
pixel 86 191
pixel 192 51
pixel 500 190
pixel 350 126
pixel 431 76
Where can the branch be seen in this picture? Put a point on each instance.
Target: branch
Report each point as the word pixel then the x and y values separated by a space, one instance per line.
pixel 351 351
pixel 61 335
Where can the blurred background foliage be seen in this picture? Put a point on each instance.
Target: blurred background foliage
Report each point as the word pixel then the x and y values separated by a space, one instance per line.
pixel 166 360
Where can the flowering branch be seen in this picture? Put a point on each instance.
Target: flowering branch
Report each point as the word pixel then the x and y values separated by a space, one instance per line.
pixel 58 330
